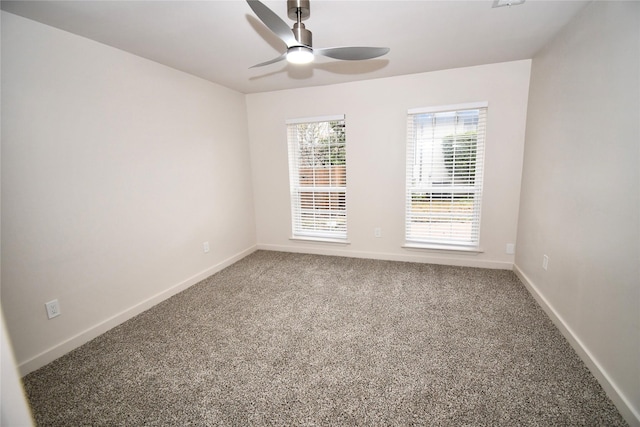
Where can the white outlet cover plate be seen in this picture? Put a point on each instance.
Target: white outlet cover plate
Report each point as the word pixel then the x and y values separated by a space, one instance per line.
pixel 53 308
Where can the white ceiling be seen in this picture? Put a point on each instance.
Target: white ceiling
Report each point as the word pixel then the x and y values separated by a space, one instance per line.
pixel 220 40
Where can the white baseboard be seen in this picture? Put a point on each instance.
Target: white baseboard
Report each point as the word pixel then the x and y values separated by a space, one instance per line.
pixel 621 402
pixel 87 335
pixel 417 255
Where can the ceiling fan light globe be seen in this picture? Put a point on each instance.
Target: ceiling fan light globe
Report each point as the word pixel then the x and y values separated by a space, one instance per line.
pixel 299 55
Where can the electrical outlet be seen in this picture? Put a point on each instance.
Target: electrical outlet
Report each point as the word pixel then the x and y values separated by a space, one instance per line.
pixel 53 309
pixel 205 247
pixel 377 232
pixel 545 262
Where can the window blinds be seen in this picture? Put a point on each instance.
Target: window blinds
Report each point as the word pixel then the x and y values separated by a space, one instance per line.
pixel 445 160
pixel 317 176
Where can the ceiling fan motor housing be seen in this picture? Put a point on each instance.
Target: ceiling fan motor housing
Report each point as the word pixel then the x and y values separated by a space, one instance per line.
pixel 294 5
pixel 302 34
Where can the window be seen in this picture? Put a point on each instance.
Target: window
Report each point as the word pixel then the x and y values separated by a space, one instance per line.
pixel 445 157
pixel 317 176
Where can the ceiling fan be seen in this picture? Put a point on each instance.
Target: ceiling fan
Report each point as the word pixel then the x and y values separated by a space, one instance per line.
pixel 300 48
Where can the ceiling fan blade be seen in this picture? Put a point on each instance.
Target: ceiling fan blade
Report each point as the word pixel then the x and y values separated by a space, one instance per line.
pixel 273 22
pixel 352 53
pixel 271 61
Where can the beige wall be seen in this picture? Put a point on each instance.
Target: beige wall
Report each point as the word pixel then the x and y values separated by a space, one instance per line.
pixel 115 170
pixel 581 192
pixel 376 112
pixel 14 410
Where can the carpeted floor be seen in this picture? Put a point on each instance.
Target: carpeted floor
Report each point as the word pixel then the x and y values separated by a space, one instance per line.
pixel 295 339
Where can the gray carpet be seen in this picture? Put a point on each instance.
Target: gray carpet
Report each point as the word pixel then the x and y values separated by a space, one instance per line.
pixel 295 339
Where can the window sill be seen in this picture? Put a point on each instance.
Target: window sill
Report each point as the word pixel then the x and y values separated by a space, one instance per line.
pixel 443 248
pixel 320 240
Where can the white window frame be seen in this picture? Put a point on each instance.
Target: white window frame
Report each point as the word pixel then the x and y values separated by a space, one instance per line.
pixel 319 204
pixel 439 220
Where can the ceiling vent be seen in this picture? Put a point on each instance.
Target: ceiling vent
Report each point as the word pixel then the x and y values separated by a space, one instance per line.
pixel 501 3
